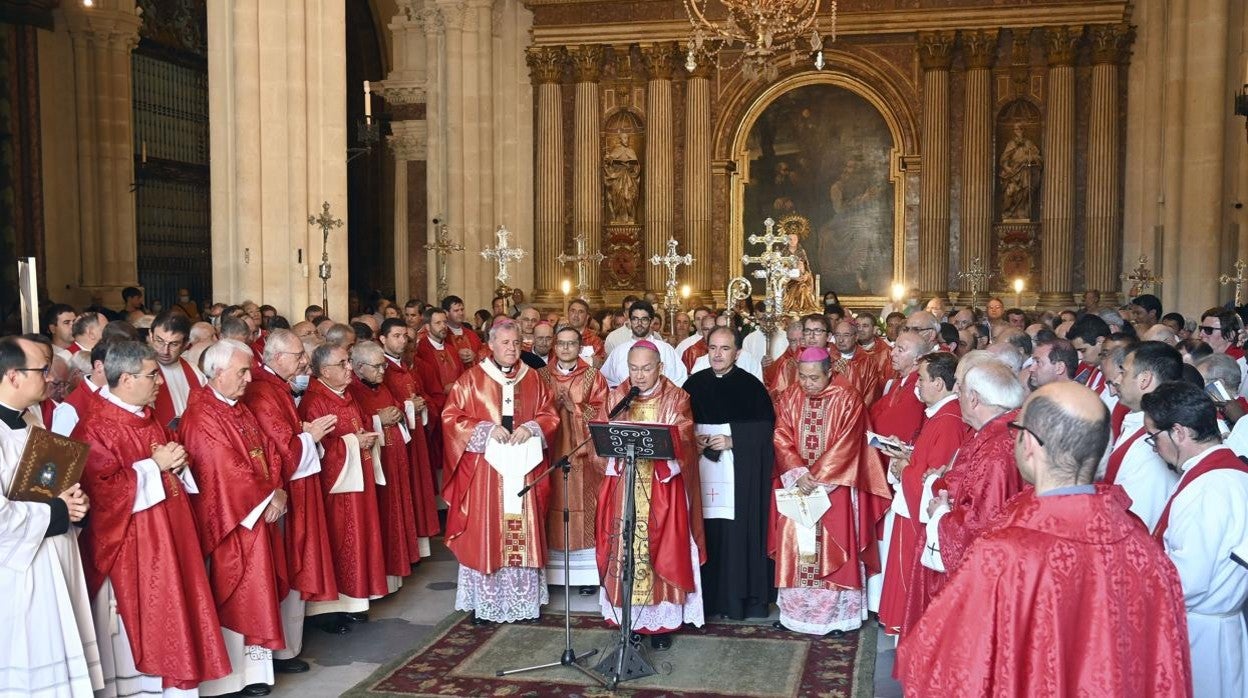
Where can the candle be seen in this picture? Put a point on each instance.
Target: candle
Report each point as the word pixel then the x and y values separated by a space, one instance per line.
pixel 368 102
pixel 684 291
pixel 1018 292
pixel 899 292
pixel 566 287
pixel 143 152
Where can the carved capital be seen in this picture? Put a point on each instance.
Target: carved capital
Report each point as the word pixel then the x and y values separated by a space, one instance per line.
pixel 103 27
pixel 1111 43
pixel 659 60
pixel 706 63
pixel 979 48
pixel 430 20
pixel 400 93
pixel 1061 44
pixel 546 63
pixel 455 15
pixel 936 49
pixel 586 62
pixel 409 146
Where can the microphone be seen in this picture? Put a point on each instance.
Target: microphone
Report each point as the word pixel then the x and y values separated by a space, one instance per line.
pixel 623 405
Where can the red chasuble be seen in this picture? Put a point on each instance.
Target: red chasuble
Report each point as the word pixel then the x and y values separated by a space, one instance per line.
pixel 861 373
pixel 590 338
pixel 236 467
pixel 350 517
pixel 692 353
pixel 1066 596
pixel 881 357
pixel 466 339
pixel 163 408
pixel 675 506
pixel 309 559
pixel 438 369
pixel 782 372
pixel 395 511
pixel 899 413
pixel 584 400
pixel 83 399
pixel 152 557
pixel 405 384
pixel 941 436
pixel 826 433
pixel 475 527
pixel 982 480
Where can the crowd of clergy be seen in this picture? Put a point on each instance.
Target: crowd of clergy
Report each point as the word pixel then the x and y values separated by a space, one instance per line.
pixel 1047 504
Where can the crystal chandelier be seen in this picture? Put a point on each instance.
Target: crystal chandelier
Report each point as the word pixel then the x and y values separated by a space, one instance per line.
pixel 764 28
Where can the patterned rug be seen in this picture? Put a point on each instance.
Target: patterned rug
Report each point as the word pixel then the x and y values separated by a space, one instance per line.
pixel 720 659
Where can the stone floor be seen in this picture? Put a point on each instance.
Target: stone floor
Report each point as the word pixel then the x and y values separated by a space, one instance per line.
pixel 405 619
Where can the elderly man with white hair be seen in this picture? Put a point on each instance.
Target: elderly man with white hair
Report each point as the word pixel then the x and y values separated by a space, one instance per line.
pixel 1160 333
pixel 203 335
pixel 238 469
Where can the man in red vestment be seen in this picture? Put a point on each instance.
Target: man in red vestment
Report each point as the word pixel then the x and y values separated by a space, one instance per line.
pixel 854 365
pixel 498 418
pixel 308 557
pixel 1067 595
pixel 395 508
pixel 140 553
pixel 460 336
pixel 349 478
pixel 668 497
pixel 580 395
pixel 168 337
pixel 824 463
pixel 439 368
pixel 698 348
pixel 874 346
pixel 406 386
pixel 779 373
pixel 592 348
pixel 239 474
pixel 942 434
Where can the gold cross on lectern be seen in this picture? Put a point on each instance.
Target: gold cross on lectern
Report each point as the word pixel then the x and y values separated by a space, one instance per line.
pixel 1239 280
pixel 1141 277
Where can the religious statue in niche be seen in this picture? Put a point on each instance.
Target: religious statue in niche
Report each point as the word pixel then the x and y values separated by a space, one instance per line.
pixel 621 174
pixel 1020 176
pixel 800 297
pixel 824 153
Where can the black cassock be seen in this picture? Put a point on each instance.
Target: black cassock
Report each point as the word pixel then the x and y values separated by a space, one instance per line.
pixel 737 577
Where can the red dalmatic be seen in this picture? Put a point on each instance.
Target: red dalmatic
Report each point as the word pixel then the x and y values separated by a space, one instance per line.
pixel 406 384
pixel 152 557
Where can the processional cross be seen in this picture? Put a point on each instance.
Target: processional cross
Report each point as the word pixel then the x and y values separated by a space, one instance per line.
pixel 672 261
pixel 581 259
pixel 326 222
pixel 976 276
pixel 778 267
pixel 1141 277
pixel 1239 280
pixel 442 250
pixel 503 256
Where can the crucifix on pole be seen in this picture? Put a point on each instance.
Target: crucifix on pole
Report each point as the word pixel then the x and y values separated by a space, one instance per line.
pixel 1141 277
pixel 1239 280
pixel 778 268
pixel 672 261
pixel 581 260
pixel 503 256
pixel 325 222
pixel 977 277
pixel 442 250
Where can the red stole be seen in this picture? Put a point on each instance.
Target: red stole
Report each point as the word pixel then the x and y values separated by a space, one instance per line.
pixel 1220 459
pixel 83 399
pixel 1235 352
pixel 46 407
pixel 1118 414
pixel 163 409
pixel 308 556
pixel 152 556
pixel 73 348
pixel 1119 454
pixel 584 392
pixel 694 352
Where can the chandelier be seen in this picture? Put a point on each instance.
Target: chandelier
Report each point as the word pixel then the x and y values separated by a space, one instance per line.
pixel 764 28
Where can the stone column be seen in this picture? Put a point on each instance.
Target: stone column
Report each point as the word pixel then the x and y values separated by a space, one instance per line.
pixel 980 50
pixel 1102 251
pixel 457 206
pixel 1057 232
pixel 102 38
pixel 546 64
pixel 285 58
pixel 935 57
pixel 698 175
pixel 659 172
pixel 586 166
pixel 480 161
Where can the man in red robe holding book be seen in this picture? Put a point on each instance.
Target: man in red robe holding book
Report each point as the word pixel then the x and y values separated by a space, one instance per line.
pixel 140 553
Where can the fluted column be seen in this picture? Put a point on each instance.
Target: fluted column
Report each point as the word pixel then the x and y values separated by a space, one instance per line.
pixel 980 50
pixel 1103 248
pixel 935 56
pixel 546 65
pixel 659 172
pixel 698 175
pixel 102 38
pixel 586 165
pixel 1057 235
pixel 459 270
pixel 480 175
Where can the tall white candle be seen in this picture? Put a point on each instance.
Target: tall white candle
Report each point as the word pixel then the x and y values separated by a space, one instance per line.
pixel 368 101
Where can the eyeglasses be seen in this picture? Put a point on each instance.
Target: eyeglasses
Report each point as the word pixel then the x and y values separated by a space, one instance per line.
pixel 159 343
pixel 151 375
pixel 1023 427
pixel 639 318
pixel 1205 329
pixel 809 332
pixel 45 371
pixel 567 344
pixel 300 354
pixel 339 364
pixel 380 367
pixel 908 328
pixel 1151 437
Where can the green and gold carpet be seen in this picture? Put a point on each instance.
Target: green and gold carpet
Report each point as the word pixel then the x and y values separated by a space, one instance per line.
pixel 719 659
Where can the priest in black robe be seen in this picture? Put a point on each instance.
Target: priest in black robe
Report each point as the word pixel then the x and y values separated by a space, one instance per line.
pixel 734 423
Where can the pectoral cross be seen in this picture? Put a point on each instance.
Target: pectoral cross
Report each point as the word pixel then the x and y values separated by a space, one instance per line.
pixel 326 222
pixel 503 256
pixel 1239 280
pixel 1141 277
pixel 976 277
pixel 933 548
pixel 442 249
pixel 581 259
pixel 777 268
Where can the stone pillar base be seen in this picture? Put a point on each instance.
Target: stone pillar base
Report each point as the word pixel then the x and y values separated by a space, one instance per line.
pixel 1055 301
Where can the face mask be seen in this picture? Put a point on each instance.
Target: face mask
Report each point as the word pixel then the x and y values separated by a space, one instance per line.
pixel 184 299
pixel 300 382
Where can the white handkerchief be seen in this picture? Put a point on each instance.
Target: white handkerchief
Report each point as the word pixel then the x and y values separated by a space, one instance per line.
pixel 409 410
pixel 718 497
pixel 381 433
pixel 351 477
pixel 513 462
pixel 804 510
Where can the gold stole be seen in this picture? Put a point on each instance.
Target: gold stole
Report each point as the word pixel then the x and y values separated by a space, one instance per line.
pixel 643 586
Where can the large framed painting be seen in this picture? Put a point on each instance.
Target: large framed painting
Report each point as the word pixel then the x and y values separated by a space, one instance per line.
pixel 823 158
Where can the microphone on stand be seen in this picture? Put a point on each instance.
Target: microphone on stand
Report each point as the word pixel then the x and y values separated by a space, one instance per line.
pixel 623 404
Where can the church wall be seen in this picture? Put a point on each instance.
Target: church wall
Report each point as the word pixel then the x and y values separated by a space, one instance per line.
pixel 57 122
